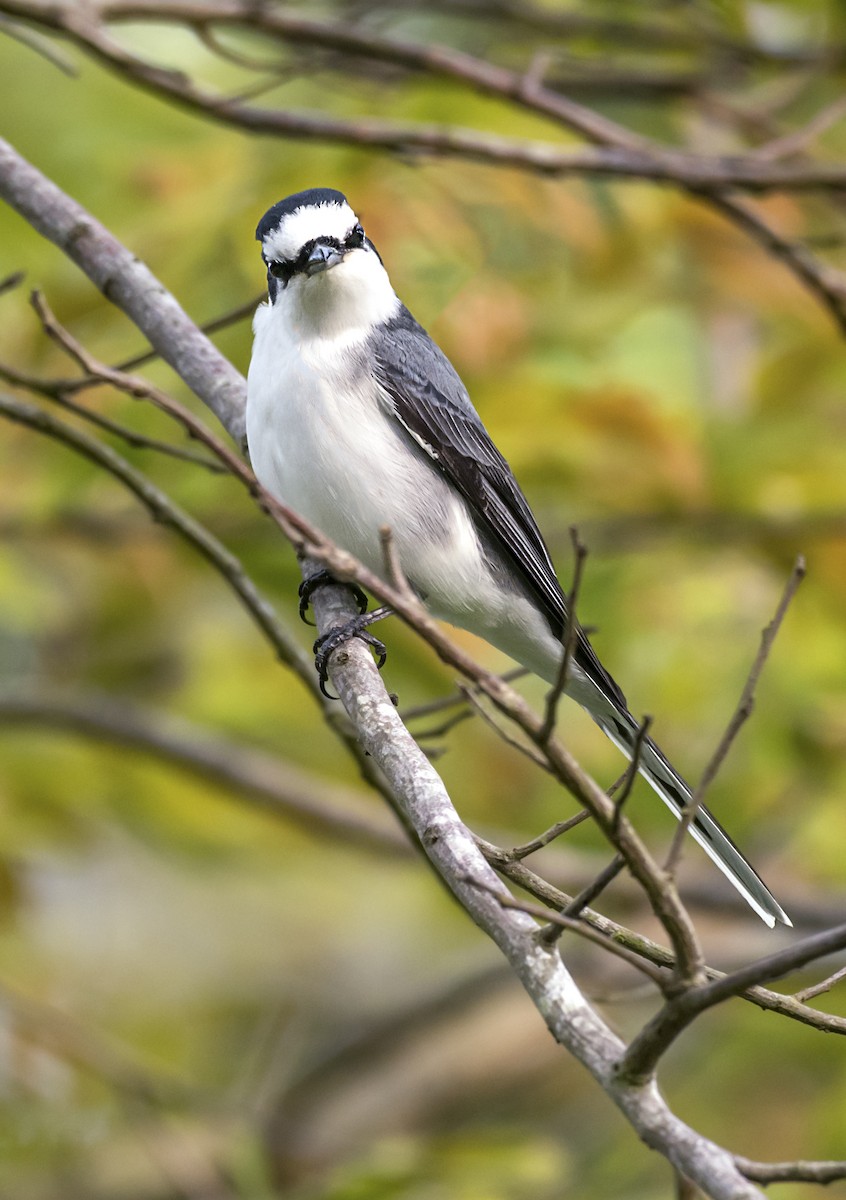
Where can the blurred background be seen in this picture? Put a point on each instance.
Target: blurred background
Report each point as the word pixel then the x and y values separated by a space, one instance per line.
pixel 200 997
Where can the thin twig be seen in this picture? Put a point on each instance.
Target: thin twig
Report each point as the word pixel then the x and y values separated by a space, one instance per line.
pixel 206 34
pixel 655 1038
pixel 798 140
pixel 518 853
pixel 824 282
pixel 585 897
pixel 506 900
pixel 818 989
pixel 762 997
pixel 59 391
pixel 521 747
pixel 40 45
pixel 570 637
pixel 138 388
pixel 454 700
pixel 164 510
pixel 630 774
pixel 791 1172
pixel 12 281
pixel 595 889
pixel 740 716
pixel 230 317
pixel 391 559
pixel 446 726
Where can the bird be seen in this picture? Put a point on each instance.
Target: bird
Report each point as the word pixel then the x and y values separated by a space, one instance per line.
pixel 357 420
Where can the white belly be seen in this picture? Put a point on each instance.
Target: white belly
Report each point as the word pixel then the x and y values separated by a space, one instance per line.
pixel 335 455
pixel 330 449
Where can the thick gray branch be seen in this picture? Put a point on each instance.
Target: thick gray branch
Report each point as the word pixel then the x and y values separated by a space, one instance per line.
pixel 453 851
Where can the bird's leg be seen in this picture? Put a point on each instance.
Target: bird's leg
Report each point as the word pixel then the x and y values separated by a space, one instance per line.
pixel 320 579
pixel 329 642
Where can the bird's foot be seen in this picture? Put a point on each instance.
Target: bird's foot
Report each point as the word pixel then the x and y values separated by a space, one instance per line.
pixel 328 643
pixel 320 579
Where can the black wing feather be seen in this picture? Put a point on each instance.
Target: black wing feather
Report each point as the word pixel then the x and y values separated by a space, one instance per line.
pixel 432 405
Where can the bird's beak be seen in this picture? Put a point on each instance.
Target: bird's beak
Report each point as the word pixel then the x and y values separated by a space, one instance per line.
pixel 323 255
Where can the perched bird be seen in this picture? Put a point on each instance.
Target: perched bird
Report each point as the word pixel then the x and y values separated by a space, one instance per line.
pixel 357 420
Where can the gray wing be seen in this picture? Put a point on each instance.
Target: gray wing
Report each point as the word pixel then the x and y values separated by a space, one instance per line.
pixel 431 403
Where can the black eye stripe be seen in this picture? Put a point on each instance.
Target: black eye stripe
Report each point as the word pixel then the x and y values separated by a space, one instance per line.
pixel 285 268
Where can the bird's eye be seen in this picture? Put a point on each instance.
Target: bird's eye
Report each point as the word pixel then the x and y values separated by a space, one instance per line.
pixel 355 237
pixel 279 270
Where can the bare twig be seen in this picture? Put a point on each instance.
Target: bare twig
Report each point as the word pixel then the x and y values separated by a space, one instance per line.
pixel 615 150
pixel 39 45
pixel 391 559
pixel 569 639
pixel 164 510
pixel 231 317
pixel 518 853
pixel 799 139
pixel 520 745
pixel 456 699
pixel 10 282
pixel 585 897
pixel 59 391
pixel 596 888
pixel 823 281
pixel 134 385
pixel 431 732
pixel 740 716
pixel 817 989
pixel 761 997
pixel 790 1172
pixel 654 1039
pixel 630 774
pixel 563 921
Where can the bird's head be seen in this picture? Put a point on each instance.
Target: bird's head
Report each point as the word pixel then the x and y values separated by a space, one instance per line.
pixel 320 264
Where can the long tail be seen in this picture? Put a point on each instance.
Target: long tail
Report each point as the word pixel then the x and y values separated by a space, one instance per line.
pixel 621 728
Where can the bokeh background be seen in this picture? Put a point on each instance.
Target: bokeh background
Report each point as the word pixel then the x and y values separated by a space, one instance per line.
pixel 201 999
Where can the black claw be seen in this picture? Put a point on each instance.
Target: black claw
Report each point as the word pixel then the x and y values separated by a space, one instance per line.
pixel 329 642
pixel 320 579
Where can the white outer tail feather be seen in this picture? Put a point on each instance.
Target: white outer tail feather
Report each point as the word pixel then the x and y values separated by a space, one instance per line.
pixel 676 794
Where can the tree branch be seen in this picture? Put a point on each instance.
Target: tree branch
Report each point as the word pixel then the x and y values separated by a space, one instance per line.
pixel 763 998
pixel 790 1172
pixel 654 1039
pixel 454 853
pixel 740 716
pixel 166 512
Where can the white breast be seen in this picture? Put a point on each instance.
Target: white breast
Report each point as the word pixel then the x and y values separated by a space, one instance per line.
pixel 322 439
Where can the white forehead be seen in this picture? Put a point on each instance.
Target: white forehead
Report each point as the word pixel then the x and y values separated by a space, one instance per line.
pixel 304 225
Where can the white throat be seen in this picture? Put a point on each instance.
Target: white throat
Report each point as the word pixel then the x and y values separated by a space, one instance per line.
pixel 342 304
